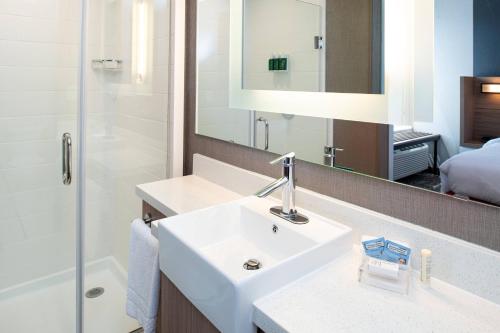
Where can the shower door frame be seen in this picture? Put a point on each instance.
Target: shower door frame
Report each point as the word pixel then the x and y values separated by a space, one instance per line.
pixel 81 171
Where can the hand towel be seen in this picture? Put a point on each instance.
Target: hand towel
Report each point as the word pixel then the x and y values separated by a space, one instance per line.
pixel 143 276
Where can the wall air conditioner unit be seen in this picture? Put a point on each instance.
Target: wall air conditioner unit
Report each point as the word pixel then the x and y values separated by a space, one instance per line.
pixel 410 160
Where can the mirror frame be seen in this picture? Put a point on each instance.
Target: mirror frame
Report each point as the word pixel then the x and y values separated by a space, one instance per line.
pixel 360 107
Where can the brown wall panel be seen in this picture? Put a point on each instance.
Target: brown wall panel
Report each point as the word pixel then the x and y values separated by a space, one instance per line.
pixel 348 46
pixel 365 147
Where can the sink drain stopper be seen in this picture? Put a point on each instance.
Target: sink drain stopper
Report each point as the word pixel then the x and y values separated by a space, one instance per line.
pixel 94 292
pixel 252 264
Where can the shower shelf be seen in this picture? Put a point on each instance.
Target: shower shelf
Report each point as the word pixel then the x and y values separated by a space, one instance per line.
pixel 107 64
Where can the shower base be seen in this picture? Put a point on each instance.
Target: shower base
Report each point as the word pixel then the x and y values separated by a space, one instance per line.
pixel 47 305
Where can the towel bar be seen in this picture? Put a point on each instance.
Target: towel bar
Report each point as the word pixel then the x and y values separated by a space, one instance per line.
pixel 148 219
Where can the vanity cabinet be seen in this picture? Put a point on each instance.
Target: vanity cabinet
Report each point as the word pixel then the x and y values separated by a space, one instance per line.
pixel 176 313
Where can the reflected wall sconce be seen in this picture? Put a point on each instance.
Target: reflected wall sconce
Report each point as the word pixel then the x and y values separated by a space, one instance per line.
pixel 141 39
pixel 490 88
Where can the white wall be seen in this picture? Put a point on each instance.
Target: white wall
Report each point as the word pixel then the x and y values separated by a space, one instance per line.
pixel 424 61
pixel 453 58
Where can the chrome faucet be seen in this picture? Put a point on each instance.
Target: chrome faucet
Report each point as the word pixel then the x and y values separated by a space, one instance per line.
pixel 287 211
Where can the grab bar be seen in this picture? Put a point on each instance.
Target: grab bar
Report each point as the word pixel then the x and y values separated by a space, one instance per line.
pixel 266 132
pixel 66 159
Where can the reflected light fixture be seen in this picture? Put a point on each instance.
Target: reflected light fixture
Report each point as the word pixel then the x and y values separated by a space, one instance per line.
pixel 140 39
pixel 490 88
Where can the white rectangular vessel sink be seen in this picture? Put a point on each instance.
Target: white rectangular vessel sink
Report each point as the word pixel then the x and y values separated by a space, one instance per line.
pixel 204 253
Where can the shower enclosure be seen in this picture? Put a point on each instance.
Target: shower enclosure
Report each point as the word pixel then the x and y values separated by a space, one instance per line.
pixel 84 101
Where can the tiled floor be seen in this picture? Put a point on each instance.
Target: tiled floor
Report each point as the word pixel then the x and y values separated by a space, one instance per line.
pixel 48 305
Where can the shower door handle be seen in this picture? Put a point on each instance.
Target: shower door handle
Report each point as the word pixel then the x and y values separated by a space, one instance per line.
pixel 66 159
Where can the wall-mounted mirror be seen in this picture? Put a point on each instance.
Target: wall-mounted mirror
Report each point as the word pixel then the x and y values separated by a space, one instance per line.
pixel 442 100
pixel 313 45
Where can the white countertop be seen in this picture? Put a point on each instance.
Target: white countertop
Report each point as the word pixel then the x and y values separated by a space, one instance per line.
pixel 332 300
pixel 181 195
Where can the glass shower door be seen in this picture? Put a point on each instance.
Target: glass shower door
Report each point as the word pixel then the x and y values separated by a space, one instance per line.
pixel 39 61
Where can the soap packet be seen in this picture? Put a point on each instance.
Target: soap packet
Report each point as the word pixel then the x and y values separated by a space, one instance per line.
pixel 396 252
pixel 373 246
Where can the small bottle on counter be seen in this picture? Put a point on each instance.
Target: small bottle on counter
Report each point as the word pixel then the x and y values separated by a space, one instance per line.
pixel 425 265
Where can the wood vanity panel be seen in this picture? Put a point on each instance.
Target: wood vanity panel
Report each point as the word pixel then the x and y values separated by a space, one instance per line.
pixel 177 314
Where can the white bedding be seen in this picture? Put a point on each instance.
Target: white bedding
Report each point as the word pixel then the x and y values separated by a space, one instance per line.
pixel 475 174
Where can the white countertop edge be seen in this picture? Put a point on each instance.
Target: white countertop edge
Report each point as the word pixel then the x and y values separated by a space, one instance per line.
pixel 153 201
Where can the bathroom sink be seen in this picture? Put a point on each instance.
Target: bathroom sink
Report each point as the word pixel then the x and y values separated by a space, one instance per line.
pixel 225 257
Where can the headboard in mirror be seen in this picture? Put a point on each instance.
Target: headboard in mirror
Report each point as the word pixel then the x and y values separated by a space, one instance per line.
pixel 441 128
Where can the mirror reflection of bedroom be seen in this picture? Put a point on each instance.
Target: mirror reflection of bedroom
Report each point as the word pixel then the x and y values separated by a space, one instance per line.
pixel 450 143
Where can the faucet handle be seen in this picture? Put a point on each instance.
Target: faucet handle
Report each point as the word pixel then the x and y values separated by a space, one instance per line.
pixel 331 150
pixel 288 159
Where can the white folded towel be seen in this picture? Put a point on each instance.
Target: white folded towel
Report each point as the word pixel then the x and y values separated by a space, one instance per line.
pixel 143 276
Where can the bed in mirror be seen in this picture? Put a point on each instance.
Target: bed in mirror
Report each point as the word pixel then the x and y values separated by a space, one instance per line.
pixel 442 99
